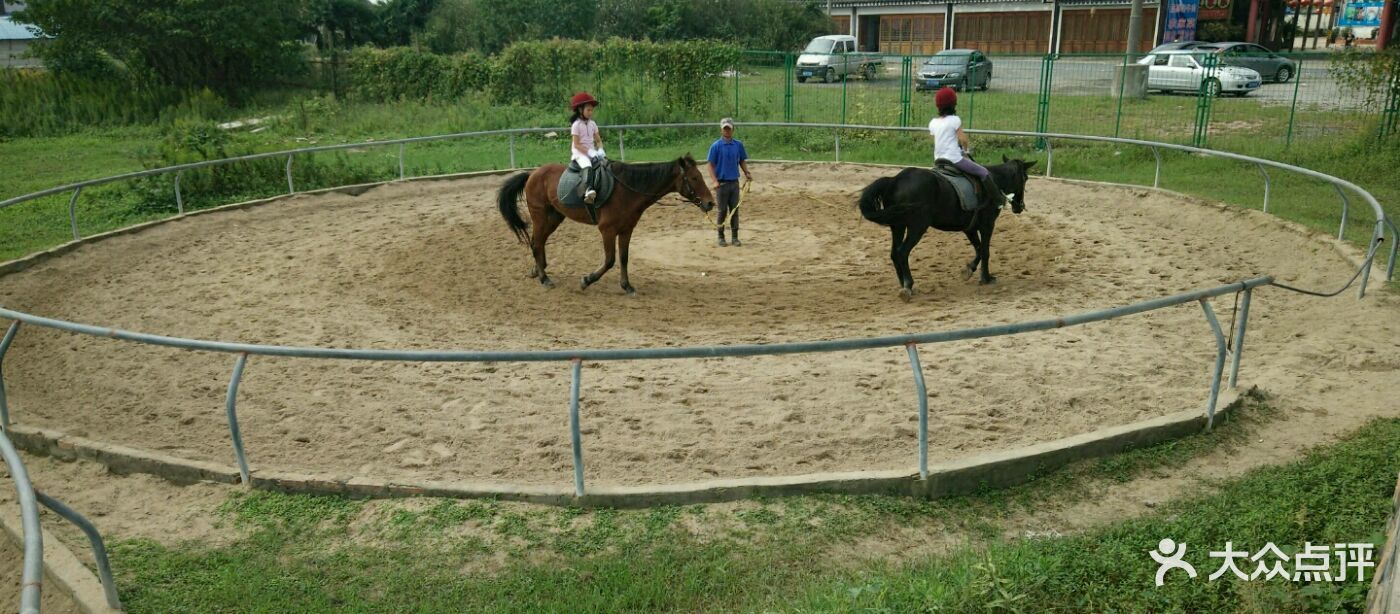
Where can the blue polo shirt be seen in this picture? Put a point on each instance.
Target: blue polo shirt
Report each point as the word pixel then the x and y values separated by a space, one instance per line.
pixel 726 156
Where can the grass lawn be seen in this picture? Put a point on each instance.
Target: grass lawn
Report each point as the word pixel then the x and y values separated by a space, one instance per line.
pixel 325 554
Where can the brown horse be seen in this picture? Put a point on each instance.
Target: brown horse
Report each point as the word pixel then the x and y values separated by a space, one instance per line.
pixel 638 186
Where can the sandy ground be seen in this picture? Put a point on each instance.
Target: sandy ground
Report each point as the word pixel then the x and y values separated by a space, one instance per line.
pixel 431 265
pixel 51 601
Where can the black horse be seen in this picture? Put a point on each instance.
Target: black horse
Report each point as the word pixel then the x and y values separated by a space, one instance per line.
pixel 917 199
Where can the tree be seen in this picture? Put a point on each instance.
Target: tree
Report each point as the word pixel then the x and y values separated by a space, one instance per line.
pixel 225 46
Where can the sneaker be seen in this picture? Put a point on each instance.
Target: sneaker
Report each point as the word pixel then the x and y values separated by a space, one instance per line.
pixel 720 241
pixel 590 196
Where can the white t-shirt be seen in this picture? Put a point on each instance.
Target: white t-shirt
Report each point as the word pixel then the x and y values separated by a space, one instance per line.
pixel 945 138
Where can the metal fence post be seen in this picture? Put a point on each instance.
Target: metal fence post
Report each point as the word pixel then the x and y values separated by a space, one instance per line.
pixel 4 348
pixel 906 90
pixel 845 79
pixel 1241 321
pixel 837 134
pixel 1377 236
pixel 574 434
pixel 401 161
pixel 1346 207
pixel 32 572
pixel 1042 114
pixel 290 188
pixel 1219 363
pixel 179 198
pixel 789 63
pixel 1205 96
pixel 1049 158
pixel 1293 108
pixel 1265 173
pixel 231 411
pixel 99 549
pixel 1157 176
pixel 922 391
pixel 622 145
pixel 73 212
pixel 1122 81
pixel 512 151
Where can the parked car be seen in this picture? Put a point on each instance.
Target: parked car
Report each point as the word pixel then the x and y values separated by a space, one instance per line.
pixel 1272 66
pixel 960 69
pixel 831 57
pixel 1186 71
pixel 1177 46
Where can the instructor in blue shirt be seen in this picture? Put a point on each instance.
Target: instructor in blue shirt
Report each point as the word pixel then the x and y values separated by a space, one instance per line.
pixel 726 158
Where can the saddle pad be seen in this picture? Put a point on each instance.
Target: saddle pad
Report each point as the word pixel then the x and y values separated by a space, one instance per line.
pixel 571 196
pixel 967 194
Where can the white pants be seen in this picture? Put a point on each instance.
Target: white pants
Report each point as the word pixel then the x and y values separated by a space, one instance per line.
pixel 586 161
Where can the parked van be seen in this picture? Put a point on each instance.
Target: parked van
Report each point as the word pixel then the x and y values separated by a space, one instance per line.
pixel 831 57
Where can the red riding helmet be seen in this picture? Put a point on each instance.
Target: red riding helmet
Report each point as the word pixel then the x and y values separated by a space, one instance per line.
pixel 945 98
pixel 582 98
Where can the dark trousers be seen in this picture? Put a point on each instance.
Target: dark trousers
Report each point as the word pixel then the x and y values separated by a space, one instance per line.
pixel 727 200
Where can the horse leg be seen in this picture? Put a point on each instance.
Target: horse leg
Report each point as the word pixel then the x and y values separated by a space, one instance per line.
pixel 609 255
pixel 624 240
pixel 911 238
pixel 545 222
pixel 976 253
pixel 906 284
pixel 985 254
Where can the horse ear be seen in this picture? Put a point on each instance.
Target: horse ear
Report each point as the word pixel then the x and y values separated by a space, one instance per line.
pixel 1030 164
pixel 681 161
pixel 1004 160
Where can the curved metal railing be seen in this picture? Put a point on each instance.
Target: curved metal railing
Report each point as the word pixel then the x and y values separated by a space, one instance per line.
pixel 576 357
pixel 32 574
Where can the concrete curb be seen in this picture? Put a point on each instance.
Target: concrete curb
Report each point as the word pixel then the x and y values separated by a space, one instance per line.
pixel 992 470
pixel 62 569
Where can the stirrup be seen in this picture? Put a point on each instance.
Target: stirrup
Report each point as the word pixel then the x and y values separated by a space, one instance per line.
pixel 590 196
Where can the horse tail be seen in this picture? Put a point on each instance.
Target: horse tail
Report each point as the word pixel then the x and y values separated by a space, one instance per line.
pixel 506 201
pixel 873 205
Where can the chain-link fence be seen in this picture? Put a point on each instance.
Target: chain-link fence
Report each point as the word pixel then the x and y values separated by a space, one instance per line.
pixel 1198 99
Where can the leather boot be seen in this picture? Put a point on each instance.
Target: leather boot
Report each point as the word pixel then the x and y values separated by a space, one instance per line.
pixel 589 194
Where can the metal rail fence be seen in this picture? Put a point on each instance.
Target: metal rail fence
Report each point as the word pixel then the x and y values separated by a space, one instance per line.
pixel 576 357
pixel 32 573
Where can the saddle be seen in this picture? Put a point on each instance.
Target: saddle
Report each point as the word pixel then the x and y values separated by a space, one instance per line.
pixel 968 188
pixel 572 188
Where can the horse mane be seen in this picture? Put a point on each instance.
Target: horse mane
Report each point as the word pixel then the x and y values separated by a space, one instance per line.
pixel 644 176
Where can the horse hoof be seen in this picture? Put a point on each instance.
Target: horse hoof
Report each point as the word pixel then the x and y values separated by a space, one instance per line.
pixel 629 290
pixel 584 283
pixel 905 294
pixel 967 272
pixel 987 281
pixel 547 282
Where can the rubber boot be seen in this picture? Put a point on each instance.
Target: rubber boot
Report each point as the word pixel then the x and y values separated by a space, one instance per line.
pixel 735 242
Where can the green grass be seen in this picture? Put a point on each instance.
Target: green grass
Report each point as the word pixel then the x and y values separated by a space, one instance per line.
pixel 314 554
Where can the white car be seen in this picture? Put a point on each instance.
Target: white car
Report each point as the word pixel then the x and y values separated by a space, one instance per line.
pixel 1186 70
